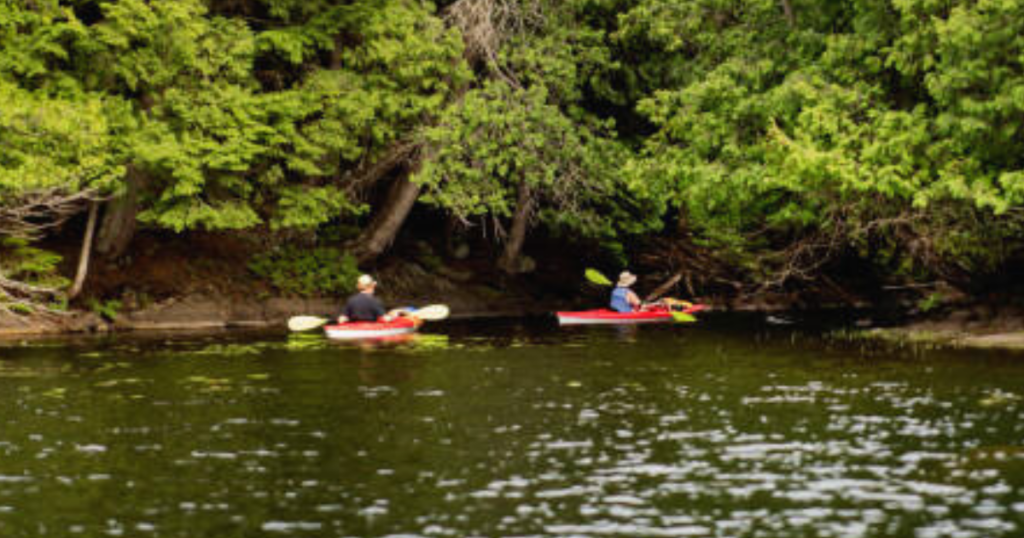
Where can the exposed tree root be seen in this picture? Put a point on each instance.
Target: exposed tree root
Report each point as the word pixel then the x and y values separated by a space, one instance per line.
pixel 33 213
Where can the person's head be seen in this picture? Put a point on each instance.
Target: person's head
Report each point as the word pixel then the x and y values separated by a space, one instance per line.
pixel 626 279
pixel 366 283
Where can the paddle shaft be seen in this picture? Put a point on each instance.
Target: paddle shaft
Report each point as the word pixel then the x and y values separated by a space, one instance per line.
pixel 435 312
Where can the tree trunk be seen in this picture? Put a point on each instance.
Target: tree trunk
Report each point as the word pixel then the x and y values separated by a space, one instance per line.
pixel 384 227
pixel 336 53
pixel 118 227
pixel 83 258
pixel 363 178
pixel 787 8
pixel 509 261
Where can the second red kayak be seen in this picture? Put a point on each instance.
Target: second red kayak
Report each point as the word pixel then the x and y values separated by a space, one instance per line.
pixel 372 329
pixel 604 316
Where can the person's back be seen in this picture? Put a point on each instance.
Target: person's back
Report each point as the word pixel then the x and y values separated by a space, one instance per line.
pixel 620 300
pixel 623 299
pixel 363 307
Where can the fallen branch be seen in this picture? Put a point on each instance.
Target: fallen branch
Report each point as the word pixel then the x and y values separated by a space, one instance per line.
pixel 26 290
pixel 663 288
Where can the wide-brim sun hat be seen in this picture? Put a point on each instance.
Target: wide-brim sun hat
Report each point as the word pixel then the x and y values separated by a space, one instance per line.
pixel 626 279
pixel 365 281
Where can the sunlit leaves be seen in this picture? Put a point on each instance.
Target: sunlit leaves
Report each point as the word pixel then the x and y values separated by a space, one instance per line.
pixel 54 144
pixel 497 138
pixel 889 121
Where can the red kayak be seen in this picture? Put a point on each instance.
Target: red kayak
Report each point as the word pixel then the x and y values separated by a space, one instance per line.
pixel 604 316
pixel 373 329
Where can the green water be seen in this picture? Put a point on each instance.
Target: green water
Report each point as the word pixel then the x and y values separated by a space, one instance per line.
pixel 504 429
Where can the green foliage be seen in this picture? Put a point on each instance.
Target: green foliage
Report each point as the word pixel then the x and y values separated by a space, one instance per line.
pixel 498 139
pixel 20 308
pixel 307 272
pixel 21 261
pixel 147 47
pixel 888 129
pixel 428 258
pixel 931 302
pixel 108 310
pixel 53 146
pixel 847 131
pixel 223 154
pixel 402 70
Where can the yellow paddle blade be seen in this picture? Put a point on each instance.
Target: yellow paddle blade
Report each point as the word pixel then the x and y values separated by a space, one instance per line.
pixel 434 312
pixel 305 323
pixel 595 277
pixel 683 317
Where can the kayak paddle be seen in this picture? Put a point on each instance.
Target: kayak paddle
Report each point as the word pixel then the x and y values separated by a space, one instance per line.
pixel 595 277
pixel 683 317
pixel 686 314
pixel 305 323
pixel 434 312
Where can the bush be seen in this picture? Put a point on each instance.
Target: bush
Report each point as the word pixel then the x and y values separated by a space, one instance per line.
pixel 20 261
pixel 20 308
pixel 108 310
pixel 307 272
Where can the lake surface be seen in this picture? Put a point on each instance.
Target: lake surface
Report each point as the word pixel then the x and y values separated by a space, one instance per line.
pixel 509 429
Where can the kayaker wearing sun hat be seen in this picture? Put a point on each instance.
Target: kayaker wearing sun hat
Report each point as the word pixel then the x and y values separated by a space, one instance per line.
pixel 623 298
pixel 363 306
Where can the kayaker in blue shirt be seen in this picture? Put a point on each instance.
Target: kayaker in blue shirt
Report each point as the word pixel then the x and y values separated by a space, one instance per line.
pixel 363 306
pixel 623 298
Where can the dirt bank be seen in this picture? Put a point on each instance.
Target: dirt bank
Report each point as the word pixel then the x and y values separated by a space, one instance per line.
pixel 204 281
pixel 978 327
pixel 196 312
pixel 203 311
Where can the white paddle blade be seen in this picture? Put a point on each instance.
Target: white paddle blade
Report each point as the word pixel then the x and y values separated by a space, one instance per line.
pixel 305 323
pixel 434 312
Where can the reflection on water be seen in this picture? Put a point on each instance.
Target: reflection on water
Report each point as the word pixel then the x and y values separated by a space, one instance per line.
pixel 509 430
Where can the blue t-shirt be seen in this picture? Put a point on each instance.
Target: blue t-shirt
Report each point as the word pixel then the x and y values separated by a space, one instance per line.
pixel 619 301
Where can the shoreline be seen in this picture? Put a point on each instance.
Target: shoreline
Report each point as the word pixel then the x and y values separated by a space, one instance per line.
pixel 1008 341
pixel 198 314
pixel 964 328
